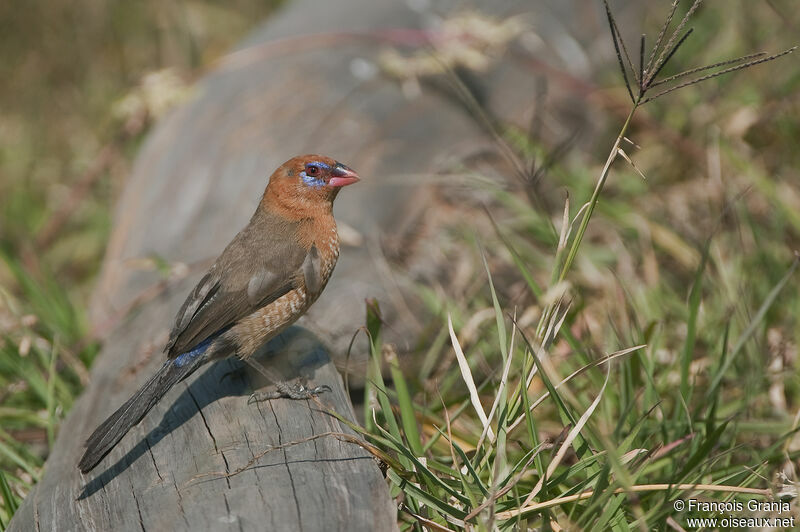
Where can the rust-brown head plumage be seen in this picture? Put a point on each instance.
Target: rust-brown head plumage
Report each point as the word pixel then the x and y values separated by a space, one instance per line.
pixel 307 183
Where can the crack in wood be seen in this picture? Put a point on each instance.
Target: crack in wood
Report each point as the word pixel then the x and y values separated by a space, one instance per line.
pixel 288 469
pixel 153 459
pixel 211 434
pixel 138 508
pixel 180 503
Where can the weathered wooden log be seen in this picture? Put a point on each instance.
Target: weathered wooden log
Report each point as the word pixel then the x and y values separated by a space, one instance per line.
pixel 196 182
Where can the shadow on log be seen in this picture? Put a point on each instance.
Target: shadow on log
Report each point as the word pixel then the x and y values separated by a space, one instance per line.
pixel 194 185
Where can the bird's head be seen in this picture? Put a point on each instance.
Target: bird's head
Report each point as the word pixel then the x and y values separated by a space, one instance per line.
pixel 307 181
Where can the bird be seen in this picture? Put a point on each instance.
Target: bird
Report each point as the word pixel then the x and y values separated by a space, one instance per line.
pixel 262 282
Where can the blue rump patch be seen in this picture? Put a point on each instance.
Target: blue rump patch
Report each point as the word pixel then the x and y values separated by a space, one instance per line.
pixel 189 356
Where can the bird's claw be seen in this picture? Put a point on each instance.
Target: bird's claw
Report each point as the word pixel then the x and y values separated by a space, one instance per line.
pixel 290 391
pixel 319 389
pixel 260 397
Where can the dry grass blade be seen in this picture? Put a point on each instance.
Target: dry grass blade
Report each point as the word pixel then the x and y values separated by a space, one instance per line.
pixel 433 525
pixel 629 141
pixel 526 509
pixel 630 162
pixel 466 374
pixel 720 73
pixel 555 321
pixel 663 451
pixel 565 227
pixel 503 382
pixel 576 218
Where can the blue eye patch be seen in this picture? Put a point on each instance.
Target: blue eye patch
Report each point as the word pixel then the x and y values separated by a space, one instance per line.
pixel 311 181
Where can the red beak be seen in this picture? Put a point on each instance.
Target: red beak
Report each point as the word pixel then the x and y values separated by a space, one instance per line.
pixel 341 176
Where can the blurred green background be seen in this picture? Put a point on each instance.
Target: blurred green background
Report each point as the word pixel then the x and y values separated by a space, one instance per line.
pixel 82 83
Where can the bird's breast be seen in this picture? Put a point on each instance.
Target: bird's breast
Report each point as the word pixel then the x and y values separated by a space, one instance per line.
pixel 252 331
pixel 322 234
pixel 329 253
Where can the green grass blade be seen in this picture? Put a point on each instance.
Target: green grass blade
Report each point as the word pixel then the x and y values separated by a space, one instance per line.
pixel 52 377
pixel 408 417
pixel 751 327
pixel 691 325
pixel 498 311
pixel 10 502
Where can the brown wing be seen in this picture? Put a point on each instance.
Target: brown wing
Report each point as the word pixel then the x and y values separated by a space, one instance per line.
pixel 262 263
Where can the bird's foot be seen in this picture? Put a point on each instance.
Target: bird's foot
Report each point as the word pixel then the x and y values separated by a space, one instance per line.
pixel 289 390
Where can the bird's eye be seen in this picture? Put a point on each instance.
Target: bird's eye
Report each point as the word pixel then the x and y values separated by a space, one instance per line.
pixel 311 170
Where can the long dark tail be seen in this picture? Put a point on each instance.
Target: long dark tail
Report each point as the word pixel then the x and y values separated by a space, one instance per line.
pixel 107 435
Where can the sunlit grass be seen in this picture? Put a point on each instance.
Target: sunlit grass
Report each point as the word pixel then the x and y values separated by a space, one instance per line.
pixel 649 361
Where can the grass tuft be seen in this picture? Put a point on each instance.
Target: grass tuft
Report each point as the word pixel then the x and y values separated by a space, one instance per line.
pixel 619 396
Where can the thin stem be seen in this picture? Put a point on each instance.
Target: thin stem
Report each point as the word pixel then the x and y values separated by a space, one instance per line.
pixel 573 251
pixel 510 514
